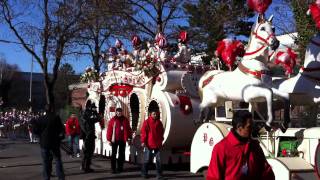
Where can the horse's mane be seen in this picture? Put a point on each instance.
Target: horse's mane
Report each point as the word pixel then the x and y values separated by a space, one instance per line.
pixel 251 34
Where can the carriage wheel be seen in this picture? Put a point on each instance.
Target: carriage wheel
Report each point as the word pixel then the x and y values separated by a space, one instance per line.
pixel 317 160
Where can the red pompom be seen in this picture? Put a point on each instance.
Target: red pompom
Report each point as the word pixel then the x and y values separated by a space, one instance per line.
pixel 287 59
pixel 315 13
pixel 259 6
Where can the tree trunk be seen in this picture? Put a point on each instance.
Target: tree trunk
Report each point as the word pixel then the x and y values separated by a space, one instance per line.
pixel 49 94
pixel 159 17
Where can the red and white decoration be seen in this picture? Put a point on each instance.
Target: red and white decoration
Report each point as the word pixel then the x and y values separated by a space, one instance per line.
pixel 120 90
pixel 161 40
pixel 287 59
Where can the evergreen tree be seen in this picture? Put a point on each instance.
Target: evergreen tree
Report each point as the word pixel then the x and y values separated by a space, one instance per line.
pixel 306 28
pixel 213 20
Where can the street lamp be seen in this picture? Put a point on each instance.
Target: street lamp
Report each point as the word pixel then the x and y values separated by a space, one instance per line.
pixel 31 71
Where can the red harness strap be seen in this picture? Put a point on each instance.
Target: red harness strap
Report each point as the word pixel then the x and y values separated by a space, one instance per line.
pixel 245 70
pixel 207 81
pixel 251 53
pixel 262 39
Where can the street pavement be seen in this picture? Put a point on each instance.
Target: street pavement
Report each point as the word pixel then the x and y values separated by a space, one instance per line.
pixel 20 159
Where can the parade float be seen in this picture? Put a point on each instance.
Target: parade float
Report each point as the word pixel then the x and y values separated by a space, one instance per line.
pixel 188 95
pixel 147 79
pixel 293 153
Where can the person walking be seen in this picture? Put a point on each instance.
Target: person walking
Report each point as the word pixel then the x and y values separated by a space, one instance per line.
pixel 118 133
pixel 151 140
pixel 51 131
pixel 237 156
pixel 90 117
pixel 73 133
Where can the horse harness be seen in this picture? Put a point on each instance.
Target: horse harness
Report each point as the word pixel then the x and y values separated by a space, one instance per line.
pixel 253 73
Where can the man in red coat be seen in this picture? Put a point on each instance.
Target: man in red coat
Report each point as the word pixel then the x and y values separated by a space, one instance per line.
pixel 73 133
pixel 237 156
pixel 151 139
pixel 118 133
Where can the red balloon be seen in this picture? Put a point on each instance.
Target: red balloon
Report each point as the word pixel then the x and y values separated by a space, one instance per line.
pixel 259 6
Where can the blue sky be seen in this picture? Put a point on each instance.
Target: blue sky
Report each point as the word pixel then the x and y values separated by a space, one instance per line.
pixel 16 54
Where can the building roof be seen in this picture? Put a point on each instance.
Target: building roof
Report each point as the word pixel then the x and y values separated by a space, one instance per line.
pixel 35 76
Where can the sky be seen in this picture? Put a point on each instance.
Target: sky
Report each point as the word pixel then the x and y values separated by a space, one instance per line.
pixel 16 54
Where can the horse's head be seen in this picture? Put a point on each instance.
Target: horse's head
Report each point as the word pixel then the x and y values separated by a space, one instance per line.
pixel 262 33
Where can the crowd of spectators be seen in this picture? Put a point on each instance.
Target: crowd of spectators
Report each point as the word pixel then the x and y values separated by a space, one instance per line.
pixel 17 124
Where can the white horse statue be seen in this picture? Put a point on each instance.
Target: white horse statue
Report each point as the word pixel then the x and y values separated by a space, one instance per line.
pixel 304 88
pixel 246 83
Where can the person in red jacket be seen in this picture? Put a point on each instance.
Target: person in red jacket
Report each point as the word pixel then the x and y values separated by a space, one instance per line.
pixel 118 133
pixel 237 156
pixel 151 140
pixel 73 133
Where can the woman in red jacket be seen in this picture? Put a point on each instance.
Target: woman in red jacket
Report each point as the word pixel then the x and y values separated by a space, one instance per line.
pixel 151 139
pixel 118 133
pixel 73 133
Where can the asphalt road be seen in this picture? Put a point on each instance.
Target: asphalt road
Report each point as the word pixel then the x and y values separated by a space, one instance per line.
pixel 21 160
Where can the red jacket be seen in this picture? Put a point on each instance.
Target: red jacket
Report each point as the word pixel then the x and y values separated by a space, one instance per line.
pixel 230 155
pixel 122 129
pixel 152 133
pixel 72 127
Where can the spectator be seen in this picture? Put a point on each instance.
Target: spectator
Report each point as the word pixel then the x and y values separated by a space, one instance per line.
pixel 31 135
pixel 151 139
pixel 118 133
pixel 51 131
pixel 73 133
pixel 90 117
pixel 237 156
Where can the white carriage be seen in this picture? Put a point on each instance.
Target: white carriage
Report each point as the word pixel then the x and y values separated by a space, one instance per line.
pixel 174 91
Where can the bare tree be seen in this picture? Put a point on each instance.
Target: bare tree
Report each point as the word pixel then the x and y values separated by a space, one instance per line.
pixel 49 26
pixel 99 25
pixel 153 16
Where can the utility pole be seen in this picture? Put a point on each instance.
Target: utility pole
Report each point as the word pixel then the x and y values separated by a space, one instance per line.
pixel 30 87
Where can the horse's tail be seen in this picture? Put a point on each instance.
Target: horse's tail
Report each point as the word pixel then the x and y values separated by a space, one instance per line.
pixel 206 79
